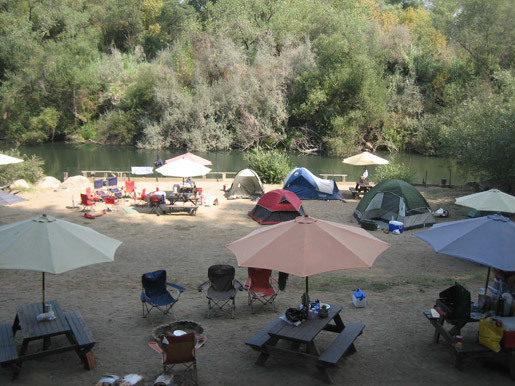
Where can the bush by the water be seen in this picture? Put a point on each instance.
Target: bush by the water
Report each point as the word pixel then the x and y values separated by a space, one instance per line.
pixel 393 171
pixel 31 169
pixel 272 166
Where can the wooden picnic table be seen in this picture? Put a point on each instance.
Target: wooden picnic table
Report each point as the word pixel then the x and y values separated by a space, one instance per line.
pixel 301 340
pixel 68 324
pixel 448 328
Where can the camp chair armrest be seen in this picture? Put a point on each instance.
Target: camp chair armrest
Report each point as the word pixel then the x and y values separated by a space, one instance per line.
pixel 274 279
pixel 200 342
pixel 246 286
pixel 177 287
pixel 238 285
pixel 202 286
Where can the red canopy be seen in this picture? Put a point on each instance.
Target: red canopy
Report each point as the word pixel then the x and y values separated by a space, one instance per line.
pixel 191 157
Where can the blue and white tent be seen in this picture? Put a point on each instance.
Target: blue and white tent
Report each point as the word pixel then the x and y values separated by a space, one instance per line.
pixel 308 186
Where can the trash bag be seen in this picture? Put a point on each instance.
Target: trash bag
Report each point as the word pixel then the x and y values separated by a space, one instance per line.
pixel 490 334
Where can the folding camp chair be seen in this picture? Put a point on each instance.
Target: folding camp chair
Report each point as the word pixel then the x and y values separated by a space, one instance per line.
pixel 220 289
pixel 129 189
pixel 98 184
pixel 179 350
pixel 86 203
pixel 112 183
pixel 154 292
pixel 260 287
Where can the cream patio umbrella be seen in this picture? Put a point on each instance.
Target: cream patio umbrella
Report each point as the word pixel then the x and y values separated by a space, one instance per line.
pixel 47 244
pixel 6 160
pixel 492 200
pixel 183 168
pixel 364 159
pixel 307 246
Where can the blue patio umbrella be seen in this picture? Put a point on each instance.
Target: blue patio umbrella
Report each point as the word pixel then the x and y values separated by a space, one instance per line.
pixel 488 240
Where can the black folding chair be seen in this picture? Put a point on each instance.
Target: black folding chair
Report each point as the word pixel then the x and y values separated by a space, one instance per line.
pixel 220 289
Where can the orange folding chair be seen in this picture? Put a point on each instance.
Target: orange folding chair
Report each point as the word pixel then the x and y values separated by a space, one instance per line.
pixel 261 287
pixel 129 189
pixel 86 203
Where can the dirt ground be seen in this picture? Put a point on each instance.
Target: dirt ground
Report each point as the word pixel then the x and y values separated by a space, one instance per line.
pixel 395 348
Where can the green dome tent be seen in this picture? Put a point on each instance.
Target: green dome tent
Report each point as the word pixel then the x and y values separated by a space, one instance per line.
pixel 246 184
pixel 395 200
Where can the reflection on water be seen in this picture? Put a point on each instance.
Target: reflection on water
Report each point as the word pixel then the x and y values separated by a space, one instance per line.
pixel 60 157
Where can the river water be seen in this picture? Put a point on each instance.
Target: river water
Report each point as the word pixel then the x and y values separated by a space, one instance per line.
pixel 61 157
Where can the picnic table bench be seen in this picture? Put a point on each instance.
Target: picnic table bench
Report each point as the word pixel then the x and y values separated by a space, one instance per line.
pixel 8 353
pixel 356 193
pixel 192 210
pixel 83 337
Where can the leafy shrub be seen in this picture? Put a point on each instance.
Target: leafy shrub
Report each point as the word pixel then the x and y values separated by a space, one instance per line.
pixel 272 166
pixel 31 169
pixel 393 171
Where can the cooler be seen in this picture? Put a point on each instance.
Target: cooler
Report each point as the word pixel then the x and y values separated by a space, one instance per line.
pixel 508 323
pixel 393 225
pixel 359 298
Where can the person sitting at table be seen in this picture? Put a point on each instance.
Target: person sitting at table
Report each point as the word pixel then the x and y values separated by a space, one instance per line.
pixel 508 277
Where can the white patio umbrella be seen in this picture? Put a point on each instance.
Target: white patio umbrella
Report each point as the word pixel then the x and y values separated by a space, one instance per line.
pixel 183 167
pixel 6 160
pixel 364 159
pixel 51 245
pixel 492 200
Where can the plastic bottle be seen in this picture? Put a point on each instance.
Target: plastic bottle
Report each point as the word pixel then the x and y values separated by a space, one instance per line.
pixel 508 301
pixel 317 306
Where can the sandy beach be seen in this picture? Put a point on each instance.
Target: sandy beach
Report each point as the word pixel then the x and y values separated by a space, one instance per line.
pixel 396 346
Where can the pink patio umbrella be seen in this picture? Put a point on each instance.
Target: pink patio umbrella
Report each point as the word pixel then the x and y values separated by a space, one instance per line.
pixel 191 157
pixel 307 246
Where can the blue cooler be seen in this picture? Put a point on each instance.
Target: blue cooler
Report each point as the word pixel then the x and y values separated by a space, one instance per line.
pixel 393 225
pixel 359 298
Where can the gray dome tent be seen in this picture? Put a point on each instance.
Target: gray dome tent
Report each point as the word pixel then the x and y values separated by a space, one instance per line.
pixel 246 184
pixel 395 200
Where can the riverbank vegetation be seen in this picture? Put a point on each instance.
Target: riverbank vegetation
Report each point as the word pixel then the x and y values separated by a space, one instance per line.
pixel 308 75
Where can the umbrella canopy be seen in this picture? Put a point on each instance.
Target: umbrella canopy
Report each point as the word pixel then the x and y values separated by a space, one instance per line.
pixel 488 240
pixel 48 244
pixel 365 158
pixel 5 160
pixel 191 157
pixel 183 168
pixel 307 246
pixel 492 200
pixel 7 198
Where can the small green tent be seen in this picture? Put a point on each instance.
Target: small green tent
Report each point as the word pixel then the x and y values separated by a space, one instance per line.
pixel 246 184
pixel 395 200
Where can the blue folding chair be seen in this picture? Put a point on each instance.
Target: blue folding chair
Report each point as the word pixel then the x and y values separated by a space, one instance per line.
pixel 112 184
pixel 154 293
pixel 98 184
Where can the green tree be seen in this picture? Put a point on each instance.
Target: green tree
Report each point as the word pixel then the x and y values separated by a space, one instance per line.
pixel 272 166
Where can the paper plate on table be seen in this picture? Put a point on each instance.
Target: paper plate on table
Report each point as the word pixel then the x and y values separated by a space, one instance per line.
pixel 327 306
pixel 179 332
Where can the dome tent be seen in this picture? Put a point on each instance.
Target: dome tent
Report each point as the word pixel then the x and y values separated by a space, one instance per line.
pixel 308 186
pixel 246 184
pixel 277 206
pixel 395 200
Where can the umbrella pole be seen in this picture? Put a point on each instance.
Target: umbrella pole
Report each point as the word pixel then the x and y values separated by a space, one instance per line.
pixel 487 279
pixel 307 285
pixel 43 290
